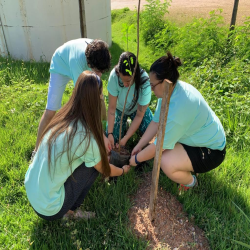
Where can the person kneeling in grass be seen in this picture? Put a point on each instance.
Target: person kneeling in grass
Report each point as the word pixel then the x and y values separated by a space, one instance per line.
pixel 194 137
pixel 71 153
pixel 137 103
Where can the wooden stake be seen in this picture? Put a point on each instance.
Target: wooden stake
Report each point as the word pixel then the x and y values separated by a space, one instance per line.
pixel 168 89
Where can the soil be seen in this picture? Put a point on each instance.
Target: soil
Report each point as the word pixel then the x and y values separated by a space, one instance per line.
pixel 183 10
pixel 171 229
pixel 119 159
pixel 122 152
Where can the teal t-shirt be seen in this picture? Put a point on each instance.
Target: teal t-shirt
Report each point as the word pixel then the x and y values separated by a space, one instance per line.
pixel 116 90
pixel 45 190
pixel 69 59
pixel 190 120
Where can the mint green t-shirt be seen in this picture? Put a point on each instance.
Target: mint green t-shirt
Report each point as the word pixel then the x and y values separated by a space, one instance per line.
pixel 190 120
pixel 45 190
pixel 116 90
pixel 69 59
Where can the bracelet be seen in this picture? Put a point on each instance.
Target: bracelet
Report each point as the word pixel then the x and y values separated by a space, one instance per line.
pixel 136 161
pixel 122 171
pixel 111 134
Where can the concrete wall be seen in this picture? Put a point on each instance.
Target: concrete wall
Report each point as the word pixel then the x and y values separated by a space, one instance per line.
pixel 32 29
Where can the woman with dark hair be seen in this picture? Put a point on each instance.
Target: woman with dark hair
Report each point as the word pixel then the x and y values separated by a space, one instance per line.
pixel 70 154
pixel 137 102
pixel 194 138
pixel 67 63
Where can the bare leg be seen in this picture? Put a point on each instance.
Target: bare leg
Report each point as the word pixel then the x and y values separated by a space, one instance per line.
pixel 176 165
pixel 45 120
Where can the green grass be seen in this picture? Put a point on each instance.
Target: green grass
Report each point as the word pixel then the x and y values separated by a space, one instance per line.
pixel 23 99
pixel 23 94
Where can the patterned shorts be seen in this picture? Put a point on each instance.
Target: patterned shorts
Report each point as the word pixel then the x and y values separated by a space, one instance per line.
pixel 147 118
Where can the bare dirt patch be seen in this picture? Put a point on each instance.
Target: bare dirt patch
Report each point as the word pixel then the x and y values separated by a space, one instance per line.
pixel 172 229
pixel 184 10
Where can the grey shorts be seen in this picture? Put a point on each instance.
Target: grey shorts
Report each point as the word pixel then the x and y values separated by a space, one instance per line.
pixel 57 84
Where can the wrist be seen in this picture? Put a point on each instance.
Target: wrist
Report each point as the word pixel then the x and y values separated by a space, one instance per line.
pixel 122 171
pixel 136 160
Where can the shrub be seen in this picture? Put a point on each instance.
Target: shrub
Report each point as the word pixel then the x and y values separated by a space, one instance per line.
pixel 152 18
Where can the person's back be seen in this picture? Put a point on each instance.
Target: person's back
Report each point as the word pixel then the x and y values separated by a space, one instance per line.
pixel 44 184
pixel 70 59
pixel 190 120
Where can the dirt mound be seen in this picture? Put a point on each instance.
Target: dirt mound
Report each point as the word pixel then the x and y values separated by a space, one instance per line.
pixel 171 229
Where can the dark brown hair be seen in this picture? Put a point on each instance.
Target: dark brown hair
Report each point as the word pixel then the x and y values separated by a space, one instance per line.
pixel 98 55
pixel 84 107
pixel 126 66
pixel 166 68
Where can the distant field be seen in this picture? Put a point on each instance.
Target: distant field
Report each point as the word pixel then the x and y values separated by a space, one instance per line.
pixel 184 10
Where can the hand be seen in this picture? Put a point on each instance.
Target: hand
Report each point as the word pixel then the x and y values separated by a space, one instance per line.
pixel 107 143
pixel 136 150
pixel 132 161
pixel 111 140
pixel 126 168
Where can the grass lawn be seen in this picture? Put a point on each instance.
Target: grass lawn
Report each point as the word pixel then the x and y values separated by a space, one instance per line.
pixel 23 94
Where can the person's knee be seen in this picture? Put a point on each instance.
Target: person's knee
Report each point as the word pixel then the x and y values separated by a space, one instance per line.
pixel 166 166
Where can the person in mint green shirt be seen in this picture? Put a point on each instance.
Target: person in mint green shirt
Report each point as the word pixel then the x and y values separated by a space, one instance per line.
pixel 194 138
pixel 70 154
pixel 139 97
pixel 67 63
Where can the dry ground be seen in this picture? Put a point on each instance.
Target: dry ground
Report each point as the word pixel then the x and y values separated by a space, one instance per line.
pixel 171 229
pixel 183 10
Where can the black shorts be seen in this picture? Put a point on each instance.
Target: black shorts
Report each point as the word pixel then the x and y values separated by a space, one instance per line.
pixel 204 159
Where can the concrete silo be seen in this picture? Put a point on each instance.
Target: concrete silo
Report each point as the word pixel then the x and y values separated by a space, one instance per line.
pixel 33 29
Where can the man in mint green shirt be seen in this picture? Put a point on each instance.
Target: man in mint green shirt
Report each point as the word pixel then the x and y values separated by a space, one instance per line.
pixel 67 63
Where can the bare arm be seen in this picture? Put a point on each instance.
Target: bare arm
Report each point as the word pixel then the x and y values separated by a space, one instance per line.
pixel 144 155
pixel 147 137
pixel 115 171
pixel 111 116
pixel 135 124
